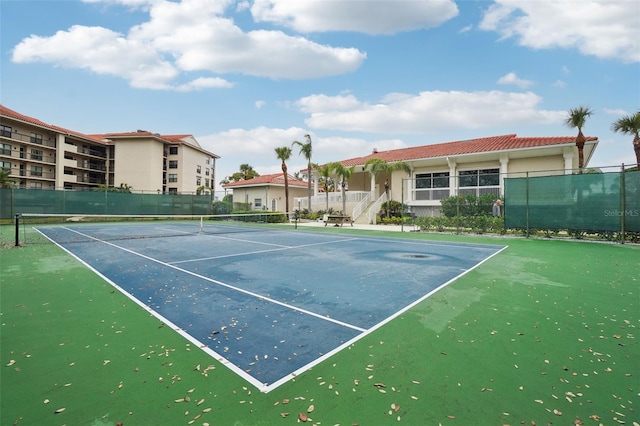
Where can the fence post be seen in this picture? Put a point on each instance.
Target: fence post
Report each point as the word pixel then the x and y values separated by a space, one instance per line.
pixel 623 203
pixel 17 220
pixel 527 202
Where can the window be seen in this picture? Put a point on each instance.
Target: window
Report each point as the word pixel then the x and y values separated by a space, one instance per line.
pixel 206 183
pixel 207 161
pixel 36 185
pixel 432 180
pixel 473 178
pixel 5 149
pixel 5 131
pixel 257 202
pixel 431 186
pixel 173 150
pixel 198 181
pixel 173 190
pixel 36 138
pixel 5 165
pixel 173 164
pixel 173 177
pixel 198 169
pixel 36 154
pixel 36 171
pixel 206 171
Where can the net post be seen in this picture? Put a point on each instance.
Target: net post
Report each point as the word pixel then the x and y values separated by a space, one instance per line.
pixel 17 220
pixel 623 205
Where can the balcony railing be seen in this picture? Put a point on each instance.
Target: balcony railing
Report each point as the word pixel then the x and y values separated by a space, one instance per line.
pixel 28 139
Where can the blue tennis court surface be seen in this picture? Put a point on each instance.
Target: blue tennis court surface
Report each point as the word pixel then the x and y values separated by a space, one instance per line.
pixel 270 304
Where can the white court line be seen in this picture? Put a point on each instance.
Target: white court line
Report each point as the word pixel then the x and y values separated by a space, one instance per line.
pixel 250 293
pixel 259 251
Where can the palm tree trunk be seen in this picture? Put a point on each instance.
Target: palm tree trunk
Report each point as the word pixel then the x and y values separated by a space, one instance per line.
pixel 636 149
pixel 580 140
pixel 286 189
pixel 309 185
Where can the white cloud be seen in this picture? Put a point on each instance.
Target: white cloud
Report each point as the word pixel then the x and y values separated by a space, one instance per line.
pixel 189 36
pixel 616 112
pixel 604 28
pixel 364 16
pixel 260 104
pixel 427 112
pixel 560 84
pixel 512 79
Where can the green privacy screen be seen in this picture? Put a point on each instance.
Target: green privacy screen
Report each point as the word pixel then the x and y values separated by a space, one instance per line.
pixel 588 202
pixel 18 201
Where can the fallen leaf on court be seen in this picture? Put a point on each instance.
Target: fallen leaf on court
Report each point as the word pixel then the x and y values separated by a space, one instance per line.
pixel 13 361
pixel 311 408
pixel 59 410
pixel 556 412
pixel 303 417
pixel 380 385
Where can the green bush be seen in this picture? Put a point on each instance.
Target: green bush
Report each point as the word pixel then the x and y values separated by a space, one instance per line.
pixel 468 205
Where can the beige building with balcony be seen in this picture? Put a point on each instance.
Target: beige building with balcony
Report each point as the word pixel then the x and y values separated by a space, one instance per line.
pixel 44 156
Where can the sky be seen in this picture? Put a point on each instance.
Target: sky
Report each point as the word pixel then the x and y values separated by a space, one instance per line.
pixel 246 77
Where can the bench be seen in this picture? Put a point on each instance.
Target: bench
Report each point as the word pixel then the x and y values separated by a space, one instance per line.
pixel 338 220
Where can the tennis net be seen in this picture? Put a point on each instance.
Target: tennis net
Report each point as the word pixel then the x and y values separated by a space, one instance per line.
pixel 66 228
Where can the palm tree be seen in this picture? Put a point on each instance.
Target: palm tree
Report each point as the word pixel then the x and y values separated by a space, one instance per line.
pixel 378 165
pixel 305 150
pixel 343 174
pixel 324 174
pixel 630 125
pixel 246 172
pixel 284 153
pixel 5 180
pixel 576 119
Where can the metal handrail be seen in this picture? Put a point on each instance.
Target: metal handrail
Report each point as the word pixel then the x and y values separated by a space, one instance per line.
pixel 360 207
pixel 372 214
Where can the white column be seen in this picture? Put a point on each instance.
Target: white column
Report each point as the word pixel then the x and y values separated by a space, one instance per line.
pixel 316 183
pixel 372 184
pixel 504 168
pixel 453 179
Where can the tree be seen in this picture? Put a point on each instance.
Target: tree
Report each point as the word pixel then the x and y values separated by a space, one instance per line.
pixel 630 125
pixel 343 175
pixel 305 150
pixel 5 180
pixel 324 174
pixel 246 172
pixel 378 165
pixel 576 119
pixel 284 153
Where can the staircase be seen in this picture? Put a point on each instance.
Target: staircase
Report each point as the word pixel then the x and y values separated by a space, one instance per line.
pixel 365 212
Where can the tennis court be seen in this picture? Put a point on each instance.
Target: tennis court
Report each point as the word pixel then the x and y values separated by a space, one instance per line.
pixel 268 303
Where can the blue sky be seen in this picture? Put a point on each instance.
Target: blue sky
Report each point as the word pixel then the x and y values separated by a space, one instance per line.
pixel 245 77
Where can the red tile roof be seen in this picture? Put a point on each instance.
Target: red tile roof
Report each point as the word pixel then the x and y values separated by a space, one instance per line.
pixel 21 117
pixel 265 180
pixel 472 146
